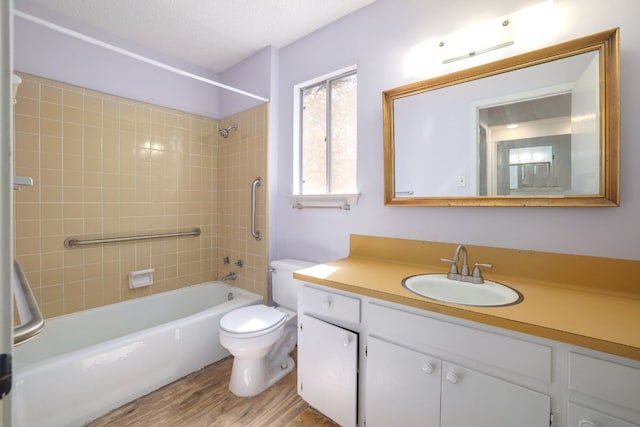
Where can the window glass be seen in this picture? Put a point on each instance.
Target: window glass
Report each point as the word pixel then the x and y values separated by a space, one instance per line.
pixel 328 136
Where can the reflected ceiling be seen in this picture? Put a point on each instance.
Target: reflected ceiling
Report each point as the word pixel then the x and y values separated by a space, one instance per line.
pixel 535 109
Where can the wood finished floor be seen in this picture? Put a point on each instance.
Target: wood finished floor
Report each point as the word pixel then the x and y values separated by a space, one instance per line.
pixel 203 399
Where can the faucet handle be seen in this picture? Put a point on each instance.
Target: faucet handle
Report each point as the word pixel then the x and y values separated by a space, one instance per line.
pixel 453 269
pixel 476 269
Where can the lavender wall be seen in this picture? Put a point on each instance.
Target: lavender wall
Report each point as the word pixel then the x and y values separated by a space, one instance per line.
pixel 253 75
pixel 378 38
pixel 50 54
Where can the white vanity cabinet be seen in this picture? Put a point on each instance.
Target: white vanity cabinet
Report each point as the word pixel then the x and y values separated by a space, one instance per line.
pixel 367 362
pixel 602 392
pixel 328 353
pixel 470 398
pixel 410 388
pixel 402 386
pixel 579 416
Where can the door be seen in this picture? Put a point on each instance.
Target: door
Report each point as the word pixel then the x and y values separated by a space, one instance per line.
pixel 585 137
pixel 402 386
pixel 6 222
pixel 470 398
pixel 328 369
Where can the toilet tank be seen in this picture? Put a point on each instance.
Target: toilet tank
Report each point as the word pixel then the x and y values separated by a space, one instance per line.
pixel 284 289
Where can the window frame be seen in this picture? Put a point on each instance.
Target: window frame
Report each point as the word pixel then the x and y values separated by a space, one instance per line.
pixel 325 80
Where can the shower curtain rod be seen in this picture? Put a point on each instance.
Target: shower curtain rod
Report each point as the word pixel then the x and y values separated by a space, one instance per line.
pixel 130 54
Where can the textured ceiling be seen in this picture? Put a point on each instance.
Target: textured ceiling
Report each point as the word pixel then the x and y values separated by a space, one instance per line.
pixel 212 34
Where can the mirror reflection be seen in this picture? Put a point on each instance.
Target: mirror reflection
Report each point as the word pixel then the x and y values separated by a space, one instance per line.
pixel 535 133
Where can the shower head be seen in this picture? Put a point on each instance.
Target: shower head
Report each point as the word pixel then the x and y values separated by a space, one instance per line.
pixel 224 132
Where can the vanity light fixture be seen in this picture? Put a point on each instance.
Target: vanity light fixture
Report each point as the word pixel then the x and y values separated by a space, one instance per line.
pixel 484 38
pixel 521 26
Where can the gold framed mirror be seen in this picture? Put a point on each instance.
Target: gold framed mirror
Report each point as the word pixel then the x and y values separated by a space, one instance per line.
pixel 536 129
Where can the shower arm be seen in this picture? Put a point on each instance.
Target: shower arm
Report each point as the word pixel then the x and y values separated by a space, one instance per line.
pixel 224 132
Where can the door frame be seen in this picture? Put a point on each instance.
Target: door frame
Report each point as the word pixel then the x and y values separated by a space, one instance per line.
pixel 6 193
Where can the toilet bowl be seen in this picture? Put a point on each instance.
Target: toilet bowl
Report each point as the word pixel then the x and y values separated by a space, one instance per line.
pixel 251 334
pixel 261 337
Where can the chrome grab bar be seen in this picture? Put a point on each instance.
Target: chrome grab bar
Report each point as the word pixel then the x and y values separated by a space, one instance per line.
pixel 256 234
pixel 27 308
pixel 72 242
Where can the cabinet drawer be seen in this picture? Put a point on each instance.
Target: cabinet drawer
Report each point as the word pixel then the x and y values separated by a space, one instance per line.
pixel 605 380
pixel 330 306
pixel 421 332
pixel 579 416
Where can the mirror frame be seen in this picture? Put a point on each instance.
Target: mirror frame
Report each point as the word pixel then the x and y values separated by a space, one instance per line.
pixel 606 43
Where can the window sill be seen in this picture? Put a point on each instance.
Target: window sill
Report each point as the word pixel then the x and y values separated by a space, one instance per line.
pixel 324 201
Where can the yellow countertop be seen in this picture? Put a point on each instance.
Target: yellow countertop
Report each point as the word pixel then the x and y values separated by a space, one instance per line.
pixel 603 321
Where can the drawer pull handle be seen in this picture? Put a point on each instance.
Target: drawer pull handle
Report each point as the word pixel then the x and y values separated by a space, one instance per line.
pixel 427 368
pixel 452 378
pixel 346 341
pixel 327 304
pixel 586 423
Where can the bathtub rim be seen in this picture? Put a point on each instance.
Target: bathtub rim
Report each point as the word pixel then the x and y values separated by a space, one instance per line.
pixel 113 342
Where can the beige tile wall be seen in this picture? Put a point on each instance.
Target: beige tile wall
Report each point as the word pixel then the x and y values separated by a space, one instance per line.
pixel 105 166
pixel 242 158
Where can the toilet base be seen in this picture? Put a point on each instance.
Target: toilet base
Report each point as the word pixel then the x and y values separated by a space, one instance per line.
pixel 250 377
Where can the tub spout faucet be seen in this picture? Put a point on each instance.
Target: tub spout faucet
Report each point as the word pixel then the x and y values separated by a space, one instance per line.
pixel 230 276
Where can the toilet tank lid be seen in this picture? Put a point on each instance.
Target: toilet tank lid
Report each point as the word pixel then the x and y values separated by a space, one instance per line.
pixel 289 264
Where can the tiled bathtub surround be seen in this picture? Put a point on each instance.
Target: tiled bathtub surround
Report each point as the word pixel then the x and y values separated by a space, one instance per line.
pixel 108 166
pixel 241 159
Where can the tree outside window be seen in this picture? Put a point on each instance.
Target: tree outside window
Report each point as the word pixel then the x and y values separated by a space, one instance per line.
pixel 328 136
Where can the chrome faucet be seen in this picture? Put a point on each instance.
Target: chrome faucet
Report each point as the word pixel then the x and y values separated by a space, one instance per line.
pixel 230 276
pixel 463 274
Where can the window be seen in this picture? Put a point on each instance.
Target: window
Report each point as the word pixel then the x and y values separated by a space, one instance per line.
pixel 326 144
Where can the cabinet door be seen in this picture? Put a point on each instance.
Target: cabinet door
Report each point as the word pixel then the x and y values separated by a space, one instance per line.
pixel 470 398
pixel 328 369
pixel 584 417
pixel 402 387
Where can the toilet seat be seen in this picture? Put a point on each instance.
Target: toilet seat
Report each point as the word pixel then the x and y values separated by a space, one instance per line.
pixel 253 320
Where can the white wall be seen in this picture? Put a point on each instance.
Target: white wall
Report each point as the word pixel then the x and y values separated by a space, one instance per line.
pixel 377 38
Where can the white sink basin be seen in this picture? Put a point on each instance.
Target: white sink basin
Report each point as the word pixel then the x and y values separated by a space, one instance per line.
pixel 439 288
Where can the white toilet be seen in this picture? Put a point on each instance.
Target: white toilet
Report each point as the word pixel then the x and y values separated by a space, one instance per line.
pixel 260 337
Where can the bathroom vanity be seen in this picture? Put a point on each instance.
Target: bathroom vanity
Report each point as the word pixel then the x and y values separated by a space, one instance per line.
pixel 372 353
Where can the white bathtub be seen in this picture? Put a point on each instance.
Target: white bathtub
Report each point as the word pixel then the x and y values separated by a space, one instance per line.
pixel 84 364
